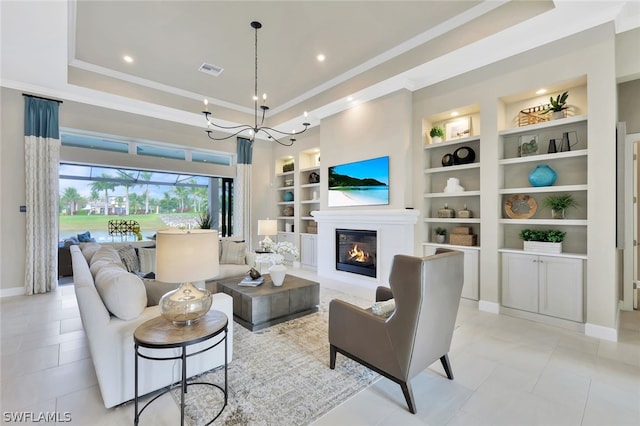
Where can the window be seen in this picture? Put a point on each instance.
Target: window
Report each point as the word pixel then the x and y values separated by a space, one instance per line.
pixel 91 196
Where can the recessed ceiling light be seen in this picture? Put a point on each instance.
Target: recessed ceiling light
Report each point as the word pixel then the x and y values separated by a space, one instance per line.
pixel 320 57
pixel 541 92
pixel 128 59
pixel 454 114
pixel 349 98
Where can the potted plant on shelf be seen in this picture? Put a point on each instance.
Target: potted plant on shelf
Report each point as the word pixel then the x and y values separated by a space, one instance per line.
pixel 558 204
pixel 558 106
pixel 437 134
pixel 441 233
pixel 542 241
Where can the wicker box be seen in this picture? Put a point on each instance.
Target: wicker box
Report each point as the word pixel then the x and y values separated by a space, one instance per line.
pixel 463 240
pixel 462 230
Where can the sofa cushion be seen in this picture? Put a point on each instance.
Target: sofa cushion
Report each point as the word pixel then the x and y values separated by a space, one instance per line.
pixel 233 252
pixel 122 293
pixel 105 253
pixel 89 249
pixel 96 266
pixel 129 258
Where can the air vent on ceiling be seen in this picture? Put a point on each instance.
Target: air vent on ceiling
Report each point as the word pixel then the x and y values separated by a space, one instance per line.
pixel 211 69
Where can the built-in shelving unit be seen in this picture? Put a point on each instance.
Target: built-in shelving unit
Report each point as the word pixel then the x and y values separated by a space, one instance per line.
pixel 436 176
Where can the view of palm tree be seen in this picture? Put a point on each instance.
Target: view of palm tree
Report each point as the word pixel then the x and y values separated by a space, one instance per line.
pixel 91 196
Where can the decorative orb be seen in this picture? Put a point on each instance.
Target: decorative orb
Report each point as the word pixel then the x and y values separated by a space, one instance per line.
pixel 542 175
pixel 288 196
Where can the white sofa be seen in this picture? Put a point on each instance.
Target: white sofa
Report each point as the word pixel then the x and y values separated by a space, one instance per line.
pixel 110 336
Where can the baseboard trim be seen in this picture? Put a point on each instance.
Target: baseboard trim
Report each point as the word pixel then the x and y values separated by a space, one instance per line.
pixel 600 332
pixel 13 291
pixel 490 307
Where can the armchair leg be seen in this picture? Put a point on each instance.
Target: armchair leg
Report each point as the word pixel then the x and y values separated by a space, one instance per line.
pixel 332 357
pixel 408 396
pixel 444 359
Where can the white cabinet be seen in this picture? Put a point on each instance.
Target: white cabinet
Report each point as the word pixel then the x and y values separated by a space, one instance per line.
pixel 547 285
pixel 471 287
pixel 308 252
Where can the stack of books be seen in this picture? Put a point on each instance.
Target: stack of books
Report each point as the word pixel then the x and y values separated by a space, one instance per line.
pixel 250 282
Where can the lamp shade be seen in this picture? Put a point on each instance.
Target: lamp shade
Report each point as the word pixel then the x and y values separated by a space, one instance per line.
pixel 268 227
pixel 186 255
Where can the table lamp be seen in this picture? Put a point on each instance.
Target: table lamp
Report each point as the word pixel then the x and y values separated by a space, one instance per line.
pixel 267 227
pixel 185 256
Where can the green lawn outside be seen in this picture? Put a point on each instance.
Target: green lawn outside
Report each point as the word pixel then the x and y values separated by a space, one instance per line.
pixel 97 225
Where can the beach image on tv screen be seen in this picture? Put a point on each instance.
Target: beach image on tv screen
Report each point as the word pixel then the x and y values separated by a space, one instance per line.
pixel 363 183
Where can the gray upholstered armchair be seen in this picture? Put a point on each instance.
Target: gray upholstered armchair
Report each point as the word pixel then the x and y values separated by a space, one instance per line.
pixel 426 292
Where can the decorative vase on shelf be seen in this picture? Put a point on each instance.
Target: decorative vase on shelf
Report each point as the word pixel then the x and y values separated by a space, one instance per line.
pixel 288 196
pixel 436 139
pixel 557 213
pixel 542 175
pixel 277 273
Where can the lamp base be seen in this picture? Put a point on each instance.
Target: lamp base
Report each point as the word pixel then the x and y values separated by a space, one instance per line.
pixel 186 304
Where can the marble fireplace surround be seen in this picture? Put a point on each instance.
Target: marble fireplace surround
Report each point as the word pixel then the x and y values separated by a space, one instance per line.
pixel 395 229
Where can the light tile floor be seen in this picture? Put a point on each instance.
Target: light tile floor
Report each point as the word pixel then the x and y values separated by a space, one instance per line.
pixel 508 371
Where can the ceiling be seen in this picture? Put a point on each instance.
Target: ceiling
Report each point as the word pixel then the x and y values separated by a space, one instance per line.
pixel 365 43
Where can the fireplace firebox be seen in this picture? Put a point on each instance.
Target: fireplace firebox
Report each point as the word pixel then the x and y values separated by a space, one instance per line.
pixel 356 251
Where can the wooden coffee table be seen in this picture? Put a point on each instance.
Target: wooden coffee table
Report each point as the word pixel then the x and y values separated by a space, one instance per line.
pixel 259 307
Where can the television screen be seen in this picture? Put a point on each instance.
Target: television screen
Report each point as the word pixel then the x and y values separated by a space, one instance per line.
pixel 363 183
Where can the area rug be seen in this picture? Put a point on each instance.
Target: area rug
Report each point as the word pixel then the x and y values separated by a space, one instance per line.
pixel 280 375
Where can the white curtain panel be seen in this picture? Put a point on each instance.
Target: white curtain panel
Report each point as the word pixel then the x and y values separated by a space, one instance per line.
pixel 42 156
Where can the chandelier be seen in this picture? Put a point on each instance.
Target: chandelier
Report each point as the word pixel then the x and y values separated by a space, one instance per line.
pixel 255 128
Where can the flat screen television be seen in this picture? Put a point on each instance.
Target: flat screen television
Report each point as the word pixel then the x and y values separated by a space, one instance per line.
pixel 362 183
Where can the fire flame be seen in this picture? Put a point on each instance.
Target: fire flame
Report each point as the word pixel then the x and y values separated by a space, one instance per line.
pixel 358 255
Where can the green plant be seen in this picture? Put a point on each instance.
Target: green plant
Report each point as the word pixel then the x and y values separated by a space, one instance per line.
pixel 440 231
pixel 550 236
pixel 204 219
pixel 437 131
pixel 557 104
pixel 559 202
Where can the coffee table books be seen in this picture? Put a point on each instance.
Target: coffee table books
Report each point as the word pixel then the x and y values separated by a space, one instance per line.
pixel 250 282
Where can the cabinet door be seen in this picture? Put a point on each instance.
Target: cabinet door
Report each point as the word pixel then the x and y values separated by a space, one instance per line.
pixel 471 262
pixel 561 287
pixel 520 281
pixel 308 250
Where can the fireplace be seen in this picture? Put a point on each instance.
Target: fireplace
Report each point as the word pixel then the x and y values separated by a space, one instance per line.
pixel 356 251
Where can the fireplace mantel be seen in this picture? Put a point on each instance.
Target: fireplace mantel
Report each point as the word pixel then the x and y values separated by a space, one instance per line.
pixel 395 229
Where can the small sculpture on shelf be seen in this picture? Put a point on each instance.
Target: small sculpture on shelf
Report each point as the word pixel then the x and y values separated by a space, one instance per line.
pixel 314 177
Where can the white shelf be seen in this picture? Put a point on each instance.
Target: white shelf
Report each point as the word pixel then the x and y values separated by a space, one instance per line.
pixel 452 142
pixel 452 194
pixel 286 218
pixel 535 253
pixel 553 222
pixel 453 246
pixel 542 189
pixel 285 203
pixel 310 169
pixel 285 188
pixel 544 157
pixel 307 218
pixel 285 173
pixel 452 168
pixel 451 220
pixel 544 125
pixel 310 202
pixel 310 185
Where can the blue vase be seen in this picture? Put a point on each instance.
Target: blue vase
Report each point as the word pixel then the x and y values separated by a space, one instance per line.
pixel 542 175
pixel 288 196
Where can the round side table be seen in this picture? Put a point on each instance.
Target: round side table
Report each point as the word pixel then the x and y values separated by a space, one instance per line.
pixel 160 333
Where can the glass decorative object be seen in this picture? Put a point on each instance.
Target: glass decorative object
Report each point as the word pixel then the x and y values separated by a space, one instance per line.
pixel 185 257
pixel 542 175
pixel 186 304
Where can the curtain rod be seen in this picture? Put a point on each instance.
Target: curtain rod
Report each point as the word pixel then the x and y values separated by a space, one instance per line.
pixel 40 97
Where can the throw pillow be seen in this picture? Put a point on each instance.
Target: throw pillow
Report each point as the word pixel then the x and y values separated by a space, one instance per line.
pixel 85 237
pixel 105 253
pixel 233 252
pixel 384 309
pixel 122 293
pixel 99 264
pixel 147 258
pixel 129 258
